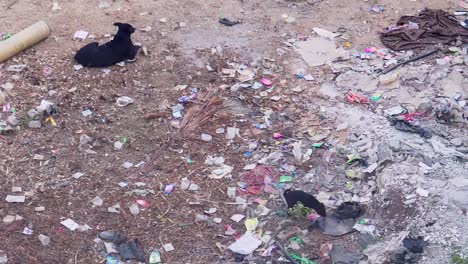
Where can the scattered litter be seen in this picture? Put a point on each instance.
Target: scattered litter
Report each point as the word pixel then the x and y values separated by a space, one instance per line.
pixel 155 257
pixel 124 101
pixel 70 224
pixel 39 209
pixel 364 229
pixel 27 231
pixel 97 201
pixel 246 244
pixel 221 172
pixel 81 34
pixel 45 240
pixel 259 179
pixel 16 198
pixel 237 217
pixel 87 112
pixel 325 33
pixel 168 247
pixel 266 82
pixel 356 98
pixel 232 132
pixel 78 175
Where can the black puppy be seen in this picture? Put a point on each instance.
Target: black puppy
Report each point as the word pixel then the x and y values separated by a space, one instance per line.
pixel 118 49
pixel 308 200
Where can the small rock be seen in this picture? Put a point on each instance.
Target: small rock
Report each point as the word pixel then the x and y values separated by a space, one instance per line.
pixel 194 187
pixel 294 245
pixel 423 107
pixel 396 110
pixel 16 189
pixel 459 182
pixel 113 209
pixel 394 145
pixel 38 157
pixel 201 218
pixel 45 240
pixel 185 183
pixel 85 139
pixel 206 137
pixel 3 258
pixel 34 124
pixel 457 142
pixel 134 210
pixel 422 192
pixel 127 165
pixel 342 126
pixel 9 219
pixel 13 120
pixel 39 209
pixel 34 114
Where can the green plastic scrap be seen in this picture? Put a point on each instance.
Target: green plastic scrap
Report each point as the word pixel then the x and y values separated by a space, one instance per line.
pixel 301 260
pixel 318 145
pixel 376 96
pixel 285 178
pixel 352 158
pixel 123 140
pixel 297 239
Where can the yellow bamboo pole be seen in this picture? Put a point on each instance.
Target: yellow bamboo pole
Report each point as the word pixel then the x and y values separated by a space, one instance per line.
pixel 23 40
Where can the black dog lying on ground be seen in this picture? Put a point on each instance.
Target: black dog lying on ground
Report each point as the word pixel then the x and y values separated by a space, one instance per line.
pixel 308 200
pixel 117 50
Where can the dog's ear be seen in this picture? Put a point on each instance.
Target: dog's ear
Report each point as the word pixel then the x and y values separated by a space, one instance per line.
pixel 131 29
pixel 125 27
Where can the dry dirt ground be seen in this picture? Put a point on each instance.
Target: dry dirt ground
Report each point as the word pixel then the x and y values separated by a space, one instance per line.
pixel 179 50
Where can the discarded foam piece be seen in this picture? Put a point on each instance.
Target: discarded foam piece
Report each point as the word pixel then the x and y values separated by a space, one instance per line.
pixel 23 40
